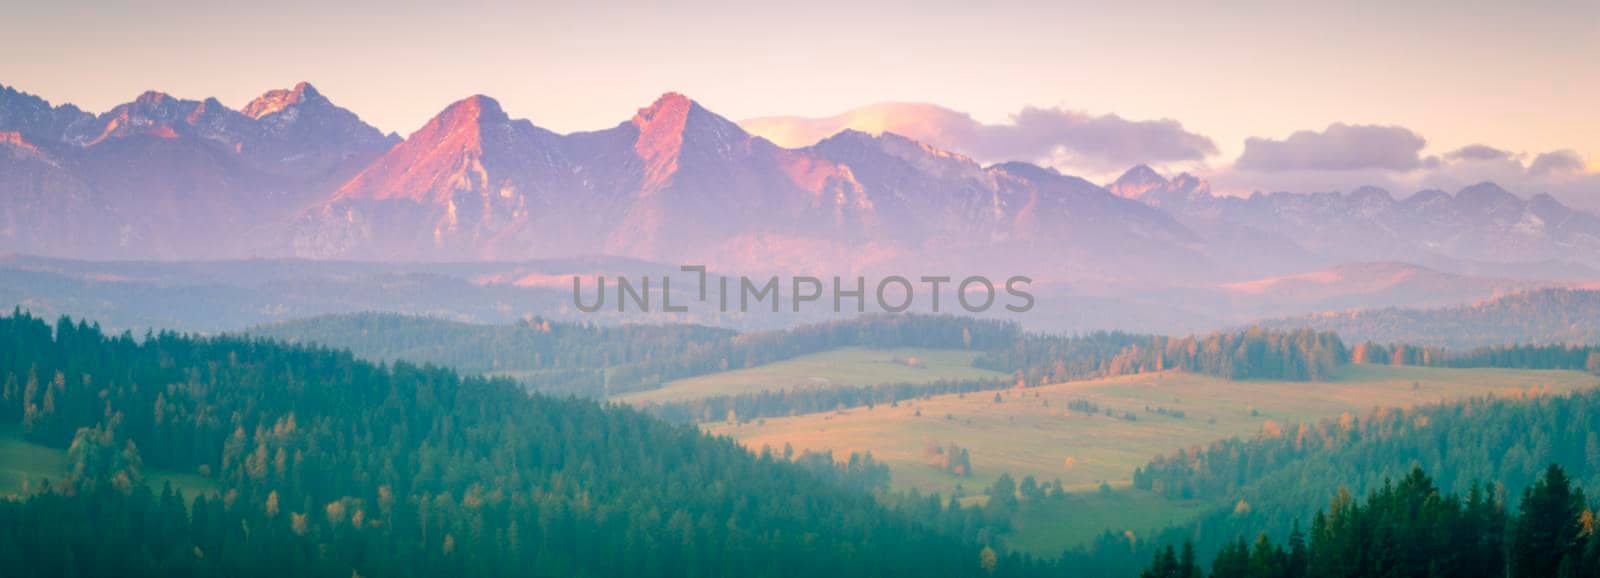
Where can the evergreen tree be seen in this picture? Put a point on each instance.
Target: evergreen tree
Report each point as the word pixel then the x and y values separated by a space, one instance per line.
pixel 1549 532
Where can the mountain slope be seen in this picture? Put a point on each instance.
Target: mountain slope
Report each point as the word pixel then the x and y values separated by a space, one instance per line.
pixel 455 184
pixel 301 132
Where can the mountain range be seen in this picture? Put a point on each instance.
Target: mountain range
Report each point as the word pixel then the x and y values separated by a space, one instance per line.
pixel 1482 224
pixel 168 178
pixel 291 174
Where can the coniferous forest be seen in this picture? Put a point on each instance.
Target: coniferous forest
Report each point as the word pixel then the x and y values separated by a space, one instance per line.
pixel 1412 528
pixel 327 465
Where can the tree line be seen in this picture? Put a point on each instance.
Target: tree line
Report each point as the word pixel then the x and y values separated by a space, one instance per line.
pixel 1254 353
pixel 1571 357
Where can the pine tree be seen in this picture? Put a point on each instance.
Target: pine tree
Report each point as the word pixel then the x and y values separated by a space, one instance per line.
pixel 1298 558
pixel 1187 566
pixel 1549 534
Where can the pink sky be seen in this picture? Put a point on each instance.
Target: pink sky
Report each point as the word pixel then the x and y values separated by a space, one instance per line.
pixel 1522 77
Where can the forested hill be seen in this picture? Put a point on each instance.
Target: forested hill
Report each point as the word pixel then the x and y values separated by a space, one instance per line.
pixel 532 344
pixel 597 360
pixel 1282 476
pixel 332 466
pixel 554 357
pixel 1542 317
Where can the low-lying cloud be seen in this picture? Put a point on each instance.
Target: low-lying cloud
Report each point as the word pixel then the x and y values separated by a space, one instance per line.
pixel 1057 137
pixel 1345 157
pixel 1562 162
pixel 1477 152
pixel 1341 147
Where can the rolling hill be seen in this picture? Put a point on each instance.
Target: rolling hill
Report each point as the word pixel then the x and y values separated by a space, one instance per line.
pixel 1547 316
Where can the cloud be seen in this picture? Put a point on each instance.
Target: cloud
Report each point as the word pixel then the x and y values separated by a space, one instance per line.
pixel 1341 157
pixel 1341 147
pixel 1556 163
pixel 1059 137
pixel 1562 173
pixel 1477 152
pixel 930 123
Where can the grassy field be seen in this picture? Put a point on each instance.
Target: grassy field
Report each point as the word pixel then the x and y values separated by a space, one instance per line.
pixel 840 367
pixel 1032 432
pixel 25 463
pixel 21 461
pixel 1048 527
